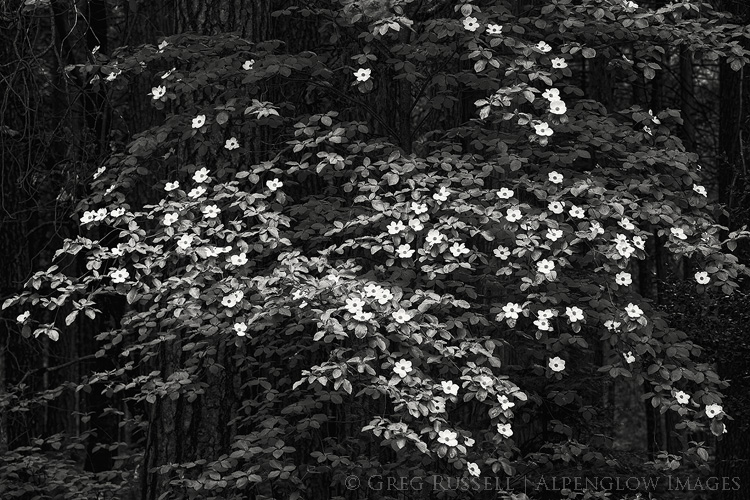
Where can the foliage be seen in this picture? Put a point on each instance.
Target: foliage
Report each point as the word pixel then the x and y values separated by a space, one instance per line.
pixel 401 297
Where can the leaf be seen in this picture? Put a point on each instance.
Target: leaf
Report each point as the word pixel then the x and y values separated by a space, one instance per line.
pixel 589 53
pixel 649 73
pixel 70 318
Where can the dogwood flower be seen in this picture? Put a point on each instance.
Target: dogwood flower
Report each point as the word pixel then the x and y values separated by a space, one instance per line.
pixel 556 364
pixel 559 63
pixel 396 227
pixel 383 296
pixel 678 232
pixel 354 304
pixel 625 249
pixel 362 316
pixel 682 397
pixel 551 94
pixel 171 186
pixel 439 404
pixel 502 252
pixel 513 214
pixel 557 107
pixel 505 193
pixel 633 311
pixel 363 74
pixel 448 438
pixel 702 277
pixel 199 121
pixel 612 325
pixel 647 129
pixel 274 184
pixel 486 382
pixel 402 367
pixel 238 260
pixel 700 190
pixel 473 469
pixel 434 237
pixel 574 314
pixel 623 279
pixel 197 192
pixel 511 310
pixel 117 212
pixel 543 129
pixel 505 403
pixel 248 65
pixel 596 228
pixel 231 144
pixel 629 358
pixel 231 300
pixel 555 207
pixel 372 289
pixel 505 430
pixel 88 216
pixel 576 212
pixel 401 316
pixel 418 208
pixel 470 24
pixel 240 329
pixel 405 251
pixel 158 92
pixel 21 318
pixel 99 171
pixel 639 242
pixel 416 224
pixel 119 276
pixel 441 195
pixel 554 234
pixel 713 410
pixel 449 387
pixel 100 214
pixel 545 266
pixel 555 177
pixel 543 325
pixel 211 211
pixel 185 241
pixel 170 219
pixel 201 175
pixel 458 249
pixel 494 29
pixel 626 224
pixel 544 47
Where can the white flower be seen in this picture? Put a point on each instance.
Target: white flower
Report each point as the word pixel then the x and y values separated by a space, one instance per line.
pixel 362 316
pixel 555 177
pixel 494 29
pixel 702 278
pixel 117 212
pixel 512 310
pixel 231 300
pixel 248 65
pixel 170 219
pixel 625 249
pixel 543 325
pixel 544 47
pixel 502 252
pixel 470 24
pixel 401 316
pixel 402 367
pixel 505 430
pixel 554 234
pixel 21 318
pixel 99 171
pixel 623 279
pixel 274 184
pixel 354 304
pixel 439 404
pixel 574 314
pixel 556 364
pixel 505 193
pixel 396 227
pixel 231 143
pixel 211 211
pixel 166 75
pixel 678 232
pixel 448 438
pixel 545 266
pixel 473 469
pixel 543 129
pixel 201 175
pixel 629 358
pixel 383 296
pixel 197 192
pixel 486 382
pixel 363 74
pixel 505 403
pixel 612 325
pixel 372 290
pixel 434 237
pixel 163 45
pixel 416 224
pixel 555 207
pixel 682 397
pixel 238 260
pixel 119 276
pixel 469 442
pixel 633 311
pixel 449 388
pixel 513 214
pixel 552 94
pixel 240 329
pixel 158 92
pixel 713 410
pixel 458 249
pixel 626 224
pixel 418 208
pixel 639 242
pixel 405 251
pixel 557 107
pixel 596 228
pixel 185 241
pixel 171 186
pixel 700 190
pixel 199 121
pixel 559 63
pixel 629 5
pixel 576 212
pixel 441 195
pixel 647 129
